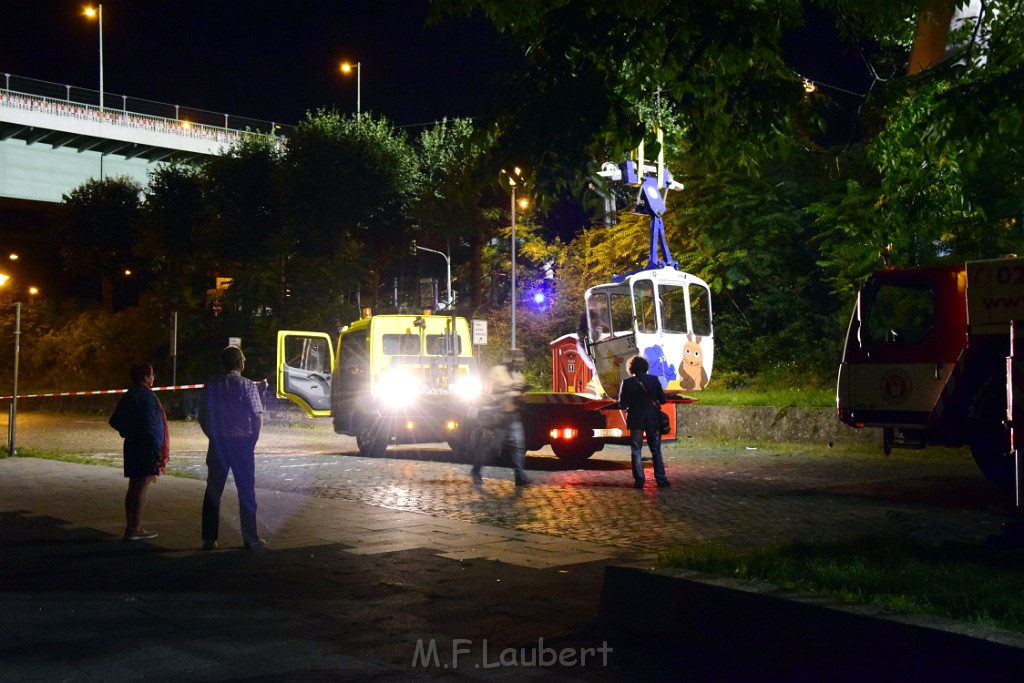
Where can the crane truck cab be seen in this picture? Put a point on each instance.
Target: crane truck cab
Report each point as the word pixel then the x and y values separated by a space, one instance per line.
pixel 925 359
pixel 388 379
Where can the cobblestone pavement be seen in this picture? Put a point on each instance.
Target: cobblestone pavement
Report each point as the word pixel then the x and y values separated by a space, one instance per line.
pixel 734 494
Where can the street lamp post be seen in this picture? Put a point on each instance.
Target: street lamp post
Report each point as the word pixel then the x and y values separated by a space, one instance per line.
pixel 13 415
pixel 346 67
pixel 98 13
pixel 448 264
pixel 512 178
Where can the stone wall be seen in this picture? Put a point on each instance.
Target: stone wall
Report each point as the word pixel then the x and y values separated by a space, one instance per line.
pixel 767 423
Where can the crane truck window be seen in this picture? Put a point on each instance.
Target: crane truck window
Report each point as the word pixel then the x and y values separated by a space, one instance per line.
pixel 437 345
pixel 898 315
pixel 401 344
pixel 309 354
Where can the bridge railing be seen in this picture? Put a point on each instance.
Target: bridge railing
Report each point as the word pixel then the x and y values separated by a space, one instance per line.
pixel 30 93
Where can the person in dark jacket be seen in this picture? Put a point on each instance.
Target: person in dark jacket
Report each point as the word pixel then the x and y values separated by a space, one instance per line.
pixel 140 419
pixel 641 396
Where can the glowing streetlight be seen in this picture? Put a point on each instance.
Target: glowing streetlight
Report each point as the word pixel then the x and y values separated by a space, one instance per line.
pixel 97 13
pixel 513 179
pixel 347 68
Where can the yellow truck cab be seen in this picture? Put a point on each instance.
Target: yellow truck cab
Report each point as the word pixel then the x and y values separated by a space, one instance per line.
pixel 389 379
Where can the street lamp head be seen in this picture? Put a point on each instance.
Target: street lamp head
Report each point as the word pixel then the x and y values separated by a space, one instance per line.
pixel 91 12
pixel 346 67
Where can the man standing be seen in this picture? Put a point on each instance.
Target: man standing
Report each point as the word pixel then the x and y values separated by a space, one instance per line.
pixel 641 397
pixel 507 384
pixel 231 415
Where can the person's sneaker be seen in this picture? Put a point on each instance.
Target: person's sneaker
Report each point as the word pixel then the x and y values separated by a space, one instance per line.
pixel 477 478
pixel 255 545
pixel 522 481
pixel 210 545
pixel 638 484
pixel 140 535
pixel 664 484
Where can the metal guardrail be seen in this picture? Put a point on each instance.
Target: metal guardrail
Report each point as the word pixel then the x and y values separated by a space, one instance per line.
pixel 74 95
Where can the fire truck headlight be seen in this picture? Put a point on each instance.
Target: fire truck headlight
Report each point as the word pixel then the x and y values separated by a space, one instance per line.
pixel 397 388
pixel 467 388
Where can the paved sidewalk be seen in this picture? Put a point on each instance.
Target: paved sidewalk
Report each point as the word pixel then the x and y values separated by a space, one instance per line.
pixel 345 591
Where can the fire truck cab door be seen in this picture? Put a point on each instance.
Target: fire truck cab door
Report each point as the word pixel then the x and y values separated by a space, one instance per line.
pixel 304 364
pixel 902 346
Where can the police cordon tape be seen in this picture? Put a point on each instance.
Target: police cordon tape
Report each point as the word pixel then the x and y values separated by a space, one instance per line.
pixel 109 391
pixel 101 392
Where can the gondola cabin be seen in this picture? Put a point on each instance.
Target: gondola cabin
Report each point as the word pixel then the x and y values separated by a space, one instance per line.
pixel 663 314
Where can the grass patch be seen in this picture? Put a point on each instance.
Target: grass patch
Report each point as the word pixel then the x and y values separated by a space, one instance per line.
pixel 62 457
pixel 966 583
pixel 782 397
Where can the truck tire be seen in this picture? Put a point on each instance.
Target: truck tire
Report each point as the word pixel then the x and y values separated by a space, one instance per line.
pixel 477 443
pixel 372 435
pixel 989 438
pixel 574 451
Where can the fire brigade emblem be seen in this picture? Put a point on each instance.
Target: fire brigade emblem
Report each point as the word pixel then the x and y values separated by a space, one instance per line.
pixel 896 386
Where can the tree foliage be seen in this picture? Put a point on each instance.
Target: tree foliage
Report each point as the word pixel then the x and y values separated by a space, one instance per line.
pixel 100 225
pixel 778 218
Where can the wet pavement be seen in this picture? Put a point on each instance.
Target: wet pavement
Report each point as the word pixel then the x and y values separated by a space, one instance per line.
pixel 371 560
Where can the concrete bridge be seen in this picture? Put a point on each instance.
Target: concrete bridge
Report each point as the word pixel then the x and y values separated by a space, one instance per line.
pixel 55 137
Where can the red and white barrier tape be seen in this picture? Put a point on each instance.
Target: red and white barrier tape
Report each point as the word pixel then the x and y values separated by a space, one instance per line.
pixel 111 391
pixel 104 391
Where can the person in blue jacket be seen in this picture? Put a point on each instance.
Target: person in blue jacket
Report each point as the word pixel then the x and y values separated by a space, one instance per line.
pixel 141 421
pixel 641 396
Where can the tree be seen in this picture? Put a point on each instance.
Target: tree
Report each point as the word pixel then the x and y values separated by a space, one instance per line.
pixel 598 74
pixel 99 226
pixel 350 182
pixel 244 236
pixel 453 202
pixel 949 154
pixel 173 216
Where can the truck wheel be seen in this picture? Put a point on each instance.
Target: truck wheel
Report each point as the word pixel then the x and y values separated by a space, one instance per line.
pixel 372 436
pixel 989 438
pixel 574 451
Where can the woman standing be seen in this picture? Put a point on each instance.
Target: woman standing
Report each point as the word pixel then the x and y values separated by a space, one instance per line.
pixel 140 419
pixel 641 396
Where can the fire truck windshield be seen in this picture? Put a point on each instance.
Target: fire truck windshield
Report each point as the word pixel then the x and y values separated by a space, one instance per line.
pixel 897 314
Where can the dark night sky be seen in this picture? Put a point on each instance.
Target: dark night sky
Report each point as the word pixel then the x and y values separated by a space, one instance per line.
pixel 260 59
